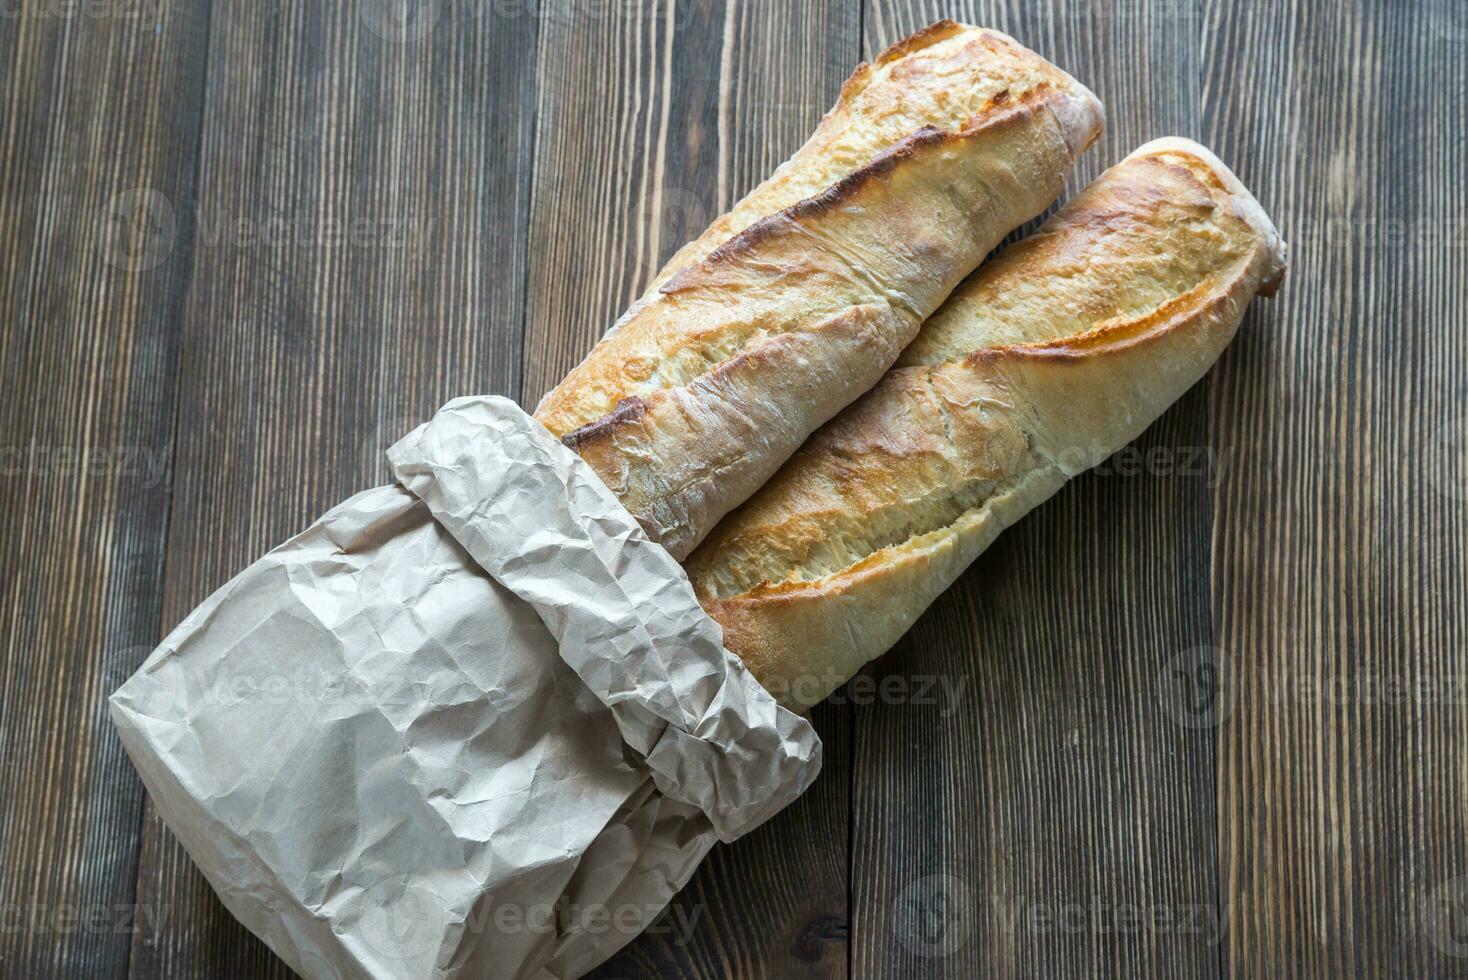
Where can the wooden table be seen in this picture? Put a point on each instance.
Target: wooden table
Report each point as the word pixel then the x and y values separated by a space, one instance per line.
pixel 1194 717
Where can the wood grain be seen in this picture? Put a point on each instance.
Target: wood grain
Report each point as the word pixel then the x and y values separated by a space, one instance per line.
pixel 1339 572
pixel 362 196
pixel 1194 717
pixel 1048 817
pixel 97 163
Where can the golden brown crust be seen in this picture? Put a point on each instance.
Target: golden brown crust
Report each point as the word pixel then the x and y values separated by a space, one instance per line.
pixel 843 193
pixel 942 76
pixel 1050 358
pixel 969 135
pixel 924 37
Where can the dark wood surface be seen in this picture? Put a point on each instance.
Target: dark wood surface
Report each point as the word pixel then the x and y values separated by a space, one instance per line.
pixel 1199 715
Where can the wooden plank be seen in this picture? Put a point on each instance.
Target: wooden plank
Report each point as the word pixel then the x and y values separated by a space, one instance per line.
pixel 1340 582
pixel 1039 811
pixel 1036 815
pixel 99 117
pixel 363 188
pixel 653 119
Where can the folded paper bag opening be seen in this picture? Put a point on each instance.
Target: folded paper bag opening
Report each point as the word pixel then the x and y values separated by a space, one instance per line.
pixel 471 724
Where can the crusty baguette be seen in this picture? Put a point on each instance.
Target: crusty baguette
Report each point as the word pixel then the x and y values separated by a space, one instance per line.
pixel 1047 360
pixel 797 300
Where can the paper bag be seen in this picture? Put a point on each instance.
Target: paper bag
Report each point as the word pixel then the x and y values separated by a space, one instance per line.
pixel 473 724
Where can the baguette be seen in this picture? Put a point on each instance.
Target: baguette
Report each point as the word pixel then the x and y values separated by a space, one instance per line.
pixel 797 300
pixel 1046 361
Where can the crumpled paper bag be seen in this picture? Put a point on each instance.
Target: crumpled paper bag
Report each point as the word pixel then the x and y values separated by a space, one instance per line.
pixel 471 725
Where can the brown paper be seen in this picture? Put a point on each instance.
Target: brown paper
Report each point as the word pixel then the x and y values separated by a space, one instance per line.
pixel 470 725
